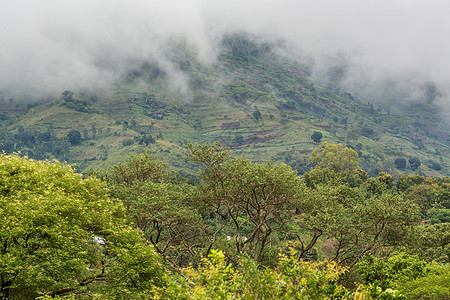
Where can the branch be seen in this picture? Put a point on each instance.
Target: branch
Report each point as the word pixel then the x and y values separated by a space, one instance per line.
pixel 98 277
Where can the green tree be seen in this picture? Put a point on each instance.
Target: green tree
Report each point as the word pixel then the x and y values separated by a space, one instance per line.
pixel 433 286
pixel 438 215
pixel 435 166
pixel 433 242
pixel 215 278
pixel 355 214
pixel 74 137
pixel 61 234
pixel 405 182
pixel 256 114
pixel 400 163
pixel 430 194
pixel 353 220
pixel 159 205
pixel 413 277
pixel 334 163
pixel 316 136
pixel 252 199
pixel 94 131
pixel 414 163
pixel 335 157
pixel 398 267
pixel 67 95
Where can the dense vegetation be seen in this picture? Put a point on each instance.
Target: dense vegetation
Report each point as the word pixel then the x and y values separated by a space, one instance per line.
pixel 238 229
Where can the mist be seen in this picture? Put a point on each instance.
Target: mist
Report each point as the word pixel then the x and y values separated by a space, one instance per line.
pixel 385 50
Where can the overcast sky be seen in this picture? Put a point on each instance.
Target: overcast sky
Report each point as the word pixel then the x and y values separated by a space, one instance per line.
pixel 47 46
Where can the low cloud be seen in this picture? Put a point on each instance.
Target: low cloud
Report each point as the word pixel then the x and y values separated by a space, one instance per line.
pixel 381 49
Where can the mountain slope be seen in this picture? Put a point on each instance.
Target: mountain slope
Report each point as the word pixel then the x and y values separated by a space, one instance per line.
pixel 258 103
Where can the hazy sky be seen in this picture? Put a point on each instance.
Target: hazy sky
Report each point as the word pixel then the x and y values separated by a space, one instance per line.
pixel 47 46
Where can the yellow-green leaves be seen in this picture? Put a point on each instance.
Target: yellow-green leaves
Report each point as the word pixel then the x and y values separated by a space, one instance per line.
pixel 335 157
pixel 215 278
pixel 50 218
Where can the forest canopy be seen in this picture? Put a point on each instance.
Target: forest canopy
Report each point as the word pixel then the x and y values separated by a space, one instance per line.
pixel 236 229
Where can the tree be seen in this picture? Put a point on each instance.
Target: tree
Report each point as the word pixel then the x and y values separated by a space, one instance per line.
pixel 252 199
pixel 256 114
pixel 334 163
pixel 429 194
pixel 94 131
pixel 356 214
pixel 61 234
pixel 239 139
pixel 293 279
pixel 435 166
pixel 398 267
pixel 355 221
pixel 413 277
pixel 414 163
pixel 433 242
pixel 405 182
pixel 316 137
pixel 74 137
pixel 159 206
pixel 67 95
pixel 335 157
pixel 400 163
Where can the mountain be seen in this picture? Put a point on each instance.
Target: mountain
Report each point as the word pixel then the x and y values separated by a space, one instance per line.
pixel 252 99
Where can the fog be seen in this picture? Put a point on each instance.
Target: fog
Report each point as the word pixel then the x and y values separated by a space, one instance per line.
pixel 386 50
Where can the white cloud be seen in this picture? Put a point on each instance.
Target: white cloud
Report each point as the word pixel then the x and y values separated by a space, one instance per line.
pixel 47 46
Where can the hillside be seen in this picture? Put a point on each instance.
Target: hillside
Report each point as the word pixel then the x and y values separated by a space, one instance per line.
pixel 253 100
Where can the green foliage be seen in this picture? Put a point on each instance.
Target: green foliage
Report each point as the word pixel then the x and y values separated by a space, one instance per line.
pixel 335 157
pixel 433 242
pixel 252 199
pixel 135 168
pixel 69 101
pixel 74 137
pixel 293 279
pixel 429 194
pixel 372 291
pixel 256 114
pixel 438 215
pixel 398 268
pixel 159 206
pixel 316 136
pixel 435 166
pixel 413 277
pixel 52 222
pixel 404 182
pixel 433 286
pixel 414 163
pixel 334 164
pixel 400 163
pixel 355 222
